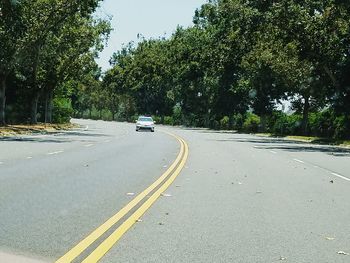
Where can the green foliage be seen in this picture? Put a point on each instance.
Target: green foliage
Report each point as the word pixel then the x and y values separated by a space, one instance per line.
pixel 62 110
pixel 46 45
pixel 330 125
pixel 225 123
pixel 237 121
pixel 177 114
pixel 251 123
pixel 168 120
pixel 283 124
pixel 241 55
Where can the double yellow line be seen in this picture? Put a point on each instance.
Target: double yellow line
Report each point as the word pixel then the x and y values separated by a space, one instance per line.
pixel 162 184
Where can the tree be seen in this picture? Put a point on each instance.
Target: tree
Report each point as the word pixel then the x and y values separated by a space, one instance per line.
pixel 11 30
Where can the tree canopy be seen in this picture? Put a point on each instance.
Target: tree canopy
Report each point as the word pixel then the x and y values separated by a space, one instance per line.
pixel 242 56
pixel 44 43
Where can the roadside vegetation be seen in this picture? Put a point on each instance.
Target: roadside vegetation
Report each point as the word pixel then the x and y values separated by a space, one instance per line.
pixel 240 66
pixel 47 52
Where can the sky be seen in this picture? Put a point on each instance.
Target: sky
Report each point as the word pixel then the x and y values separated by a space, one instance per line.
pixel 150 18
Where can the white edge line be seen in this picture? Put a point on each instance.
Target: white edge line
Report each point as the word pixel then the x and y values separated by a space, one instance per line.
pixel 88 145
pixel 273 152
pixel 299 161
pixel 342 177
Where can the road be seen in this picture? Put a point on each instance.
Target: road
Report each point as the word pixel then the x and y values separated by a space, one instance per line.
pixel 239 198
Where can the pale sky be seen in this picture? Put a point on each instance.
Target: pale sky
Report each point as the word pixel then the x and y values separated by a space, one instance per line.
pixel 151 18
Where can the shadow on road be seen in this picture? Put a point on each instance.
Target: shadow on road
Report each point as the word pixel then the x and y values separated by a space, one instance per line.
pixel 291 146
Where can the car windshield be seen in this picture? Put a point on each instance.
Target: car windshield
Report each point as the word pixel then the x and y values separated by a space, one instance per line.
pixel 145 119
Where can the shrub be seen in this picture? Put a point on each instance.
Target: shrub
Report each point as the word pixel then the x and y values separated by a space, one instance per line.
pixel 237 121
pixel 168 120
pixel 214 124
pixel 62 111
pixel 251 123
pixel 177 114
pixel 157 119
pixel 341 127
pixel 224 123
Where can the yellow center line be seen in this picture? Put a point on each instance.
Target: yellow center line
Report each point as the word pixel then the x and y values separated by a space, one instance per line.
pixel 97 233
pixel 107 244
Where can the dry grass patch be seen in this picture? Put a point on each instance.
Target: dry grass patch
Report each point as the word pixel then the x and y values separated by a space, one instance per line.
pixel 11 130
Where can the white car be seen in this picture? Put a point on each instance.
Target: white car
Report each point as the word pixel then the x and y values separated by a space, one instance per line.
pixel 145 123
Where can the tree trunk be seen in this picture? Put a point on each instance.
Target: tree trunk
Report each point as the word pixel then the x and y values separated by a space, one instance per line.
pixel 34 108
pixel 263 122
pixel 305 123
pixel 48 105
pixel 2 100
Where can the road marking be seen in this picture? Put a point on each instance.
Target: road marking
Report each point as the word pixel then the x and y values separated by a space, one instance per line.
pixel 1 163
pixel 299 161
pixel 29 157
pixel 97 233
pixel 53 153
pixel 333 173
pixel 107 244
pixel 107 141
pixel 273 152
pixel 340 176
pixel 88 145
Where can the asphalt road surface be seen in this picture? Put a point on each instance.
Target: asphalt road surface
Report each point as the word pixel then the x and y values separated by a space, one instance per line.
pixel 239 198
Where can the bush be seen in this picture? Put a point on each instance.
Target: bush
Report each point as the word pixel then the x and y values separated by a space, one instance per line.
pixel 62 111
pixel 177 114
pixel 321 123
pixel 193 120
pixel 283 124
pixel 157 119
pixel 251 123
pixel 224 123
pixel 237 121
pixel 341 127
pixel 168 120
